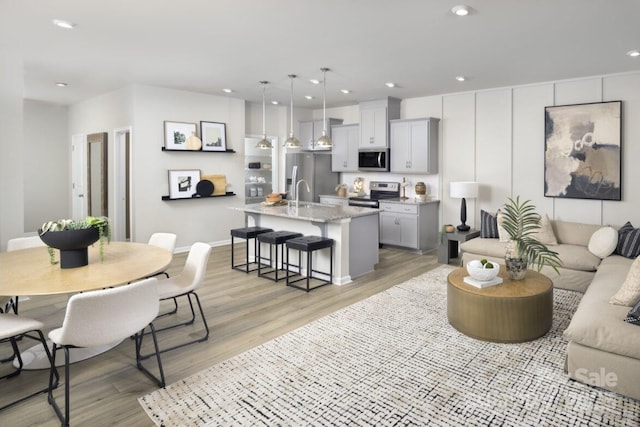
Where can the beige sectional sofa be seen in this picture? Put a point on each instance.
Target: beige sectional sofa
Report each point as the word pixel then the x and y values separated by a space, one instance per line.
pixel 603 350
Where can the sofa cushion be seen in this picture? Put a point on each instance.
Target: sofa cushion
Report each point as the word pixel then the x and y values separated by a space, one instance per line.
pixel 503 236
pixel 490 247
pixel 598 324
pixel 488 225
pixel 545 234
pixel 603 242
pixel 629 292
pixel 628 241
pixel 577 257
pixel 572 256
pixel 574 233
pixel 633 316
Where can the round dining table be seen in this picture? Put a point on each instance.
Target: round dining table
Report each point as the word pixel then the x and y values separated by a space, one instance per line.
pixel 29 272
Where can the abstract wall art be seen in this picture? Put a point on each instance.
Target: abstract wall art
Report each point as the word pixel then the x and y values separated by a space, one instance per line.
pixel 582 156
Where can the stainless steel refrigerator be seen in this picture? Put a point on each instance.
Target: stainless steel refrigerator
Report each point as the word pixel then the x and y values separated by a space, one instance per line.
pixel 315 169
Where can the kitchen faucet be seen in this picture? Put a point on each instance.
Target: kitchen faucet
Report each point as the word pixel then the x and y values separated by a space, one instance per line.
pixel 298 191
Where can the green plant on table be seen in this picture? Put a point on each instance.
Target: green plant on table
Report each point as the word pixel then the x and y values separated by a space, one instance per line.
pixel 99 222
pixel 521 222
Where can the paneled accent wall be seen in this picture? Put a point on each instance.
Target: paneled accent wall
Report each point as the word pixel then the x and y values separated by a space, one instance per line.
pixel 496 137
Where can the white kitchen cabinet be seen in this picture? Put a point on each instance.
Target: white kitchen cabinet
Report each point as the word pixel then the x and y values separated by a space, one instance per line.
pixel 344 154
pixel 409 225
pixel 414 145
pixel 334 200
pixel 374 122
pixel 311 130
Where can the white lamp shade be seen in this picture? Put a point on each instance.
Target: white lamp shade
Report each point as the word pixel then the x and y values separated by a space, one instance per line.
pixel 464 189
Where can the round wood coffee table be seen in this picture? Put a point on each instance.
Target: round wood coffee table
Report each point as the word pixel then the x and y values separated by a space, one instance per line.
pixel 513 311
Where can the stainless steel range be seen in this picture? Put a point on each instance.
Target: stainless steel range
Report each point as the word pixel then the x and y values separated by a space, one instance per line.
pixel 378 191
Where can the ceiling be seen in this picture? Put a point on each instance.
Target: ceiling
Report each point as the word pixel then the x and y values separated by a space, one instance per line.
pixel 205 46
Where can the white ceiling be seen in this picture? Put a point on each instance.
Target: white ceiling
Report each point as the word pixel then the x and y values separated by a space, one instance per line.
pixel 204 46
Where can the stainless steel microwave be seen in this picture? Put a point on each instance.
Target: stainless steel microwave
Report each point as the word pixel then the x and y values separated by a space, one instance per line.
pixel 373 160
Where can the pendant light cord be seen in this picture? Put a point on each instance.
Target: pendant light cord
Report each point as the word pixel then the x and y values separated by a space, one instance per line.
pixel 264 113
pixel 291 76
pixel 324 100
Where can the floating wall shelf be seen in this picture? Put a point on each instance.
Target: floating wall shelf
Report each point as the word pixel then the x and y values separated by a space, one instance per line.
pixel 228 150
pixel 227 194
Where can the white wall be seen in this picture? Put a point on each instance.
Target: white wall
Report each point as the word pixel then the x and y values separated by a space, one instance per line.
pixel 207 220
pixel 103 113
pixel 11 146
pixel 496 137
pixel 46 142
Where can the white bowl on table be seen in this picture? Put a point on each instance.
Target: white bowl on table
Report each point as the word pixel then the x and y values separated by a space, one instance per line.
pixel 478 271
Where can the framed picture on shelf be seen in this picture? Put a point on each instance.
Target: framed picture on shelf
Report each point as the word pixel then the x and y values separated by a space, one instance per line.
pixel 182 183
pixel 176 134
pixel 214 136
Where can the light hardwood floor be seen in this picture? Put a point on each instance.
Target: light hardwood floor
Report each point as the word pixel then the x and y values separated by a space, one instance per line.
pixel 242 310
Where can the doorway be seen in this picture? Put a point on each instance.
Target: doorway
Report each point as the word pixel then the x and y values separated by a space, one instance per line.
pixel 122 226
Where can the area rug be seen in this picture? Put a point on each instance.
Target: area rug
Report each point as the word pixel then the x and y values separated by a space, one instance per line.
pixel 393 359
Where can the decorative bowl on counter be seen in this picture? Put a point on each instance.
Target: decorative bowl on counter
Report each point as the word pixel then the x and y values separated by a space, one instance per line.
pixel 483 271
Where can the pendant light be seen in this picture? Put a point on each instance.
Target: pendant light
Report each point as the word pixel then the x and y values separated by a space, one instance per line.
pixel 264 143
pixel 292 141
pixel 324 141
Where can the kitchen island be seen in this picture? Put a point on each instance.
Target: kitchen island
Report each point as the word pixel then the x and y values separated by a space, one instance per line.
pixel 353 229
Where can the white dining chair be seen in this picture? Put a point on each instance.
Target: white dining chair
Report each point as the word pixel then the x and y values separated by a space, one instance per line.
pixel 185 284
pixel 15 244
pixel 103 317
pixel 165 241
pixel 14 327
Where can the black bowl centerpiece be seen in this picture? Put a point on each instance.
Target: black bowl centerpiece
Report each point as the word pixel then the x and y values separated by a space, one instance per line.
pixel 73 238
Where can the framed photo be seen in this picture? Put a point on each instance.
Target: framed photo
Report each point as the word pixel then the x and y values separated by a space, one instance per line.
pixel 176 134
pixel 582 154
pixel 182 183
pixel 214 136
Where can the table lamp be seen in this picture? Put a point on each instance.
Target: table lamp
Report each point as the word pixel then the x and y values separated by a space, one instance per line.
pixel 463 190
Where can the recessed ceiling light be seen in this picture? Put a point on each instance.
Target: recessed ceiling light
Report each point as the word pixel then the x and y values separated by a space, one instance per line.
pixel 227 90
pixel 308 97
pixel 314 81
pixel 61 84
pixel 390 84
pixel 345 91
pixel 460 10
pixel 461 78
pixel 633 53
pixel 63 24
pixel 274 102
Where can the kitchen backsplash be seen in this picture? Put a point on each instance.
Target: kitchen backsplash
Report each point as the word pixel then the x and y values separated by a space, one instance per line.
pixel 432 181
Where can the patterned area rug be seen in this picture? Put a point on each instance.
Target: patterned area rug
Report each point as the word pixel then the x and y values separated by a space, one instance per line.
pixel 393 359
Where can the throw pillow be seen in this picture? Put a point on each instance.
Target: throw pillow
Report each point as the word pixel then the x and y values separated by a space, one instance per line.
pixel 503 236
pixel 545 234
pixel 603 242
pixel 488 225
pixel 628 241
pixel 629 292
pixel 633 316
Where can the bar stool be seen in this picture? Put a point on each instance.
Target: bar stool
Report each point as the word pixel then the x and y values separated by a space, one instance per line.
pixel 309 244
pixel 247 233
pixel 274 239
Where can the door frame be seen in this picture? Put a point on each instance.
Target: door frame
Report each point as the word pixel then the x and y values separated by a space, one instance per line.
pixel 121 170
pixel 78 175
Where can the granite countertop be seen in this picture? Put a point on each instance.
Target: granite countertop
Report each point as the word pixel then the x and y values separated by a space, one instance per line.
pixel 315 212
pixel 410 201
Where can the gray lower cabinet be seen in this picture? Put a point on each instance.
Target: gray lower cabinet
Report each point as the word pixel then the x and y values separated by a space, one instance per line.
pixel 409 225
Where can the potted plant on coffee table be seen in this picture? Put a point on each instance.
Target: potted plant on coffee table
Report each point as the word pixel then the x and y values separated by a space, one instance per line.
pixel 521 222
pixel 73 238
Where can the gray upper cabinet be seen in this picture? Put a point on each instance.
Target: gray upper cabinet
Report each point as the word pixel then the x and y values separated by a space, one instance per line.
pixel 311 130
pixel 374 122
pixel 344 156
pixel 414 145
